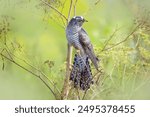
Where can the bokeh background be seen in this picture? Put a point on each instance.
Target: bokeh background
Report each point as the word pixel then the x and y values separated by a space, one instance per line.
pixel 36 36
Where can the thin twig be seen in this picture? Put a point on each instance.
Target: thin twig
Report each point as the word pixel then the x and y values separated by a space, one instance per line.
pixel 98 78
pixel 75 7
pixel 62 26
pixel 123 77
pixel 70 8
pixel 92 7
pixel 98 1
pixel 84 94
pixel 9 53
pixel 62 13
pixel 38 76
pixel 55 10
pixel 43 75
pixel 98 73
pixel 133 31
pixel 78 93
pixel 50 81
pixel 3 67
pixel 111 37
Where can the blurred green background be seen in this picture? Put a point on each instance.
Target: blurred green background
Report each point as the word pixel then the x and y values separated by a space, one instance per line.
pixel 37 38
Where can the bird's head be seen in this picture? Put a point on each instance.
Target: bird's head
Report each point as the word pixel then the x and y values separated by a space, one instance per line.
pixel 77 21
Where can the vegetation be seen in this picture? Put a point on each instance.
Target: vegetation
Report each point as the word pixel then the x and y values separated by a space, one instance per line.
pixel 33 48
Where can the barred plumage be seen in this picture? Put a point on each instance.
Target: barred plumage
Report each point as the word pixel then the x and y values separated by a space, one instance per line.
pixel 78 38
pixel 81 72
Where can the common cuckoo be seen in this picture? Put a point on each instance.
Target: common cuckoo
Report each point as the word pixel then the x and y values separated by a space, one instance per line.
pixel 79 39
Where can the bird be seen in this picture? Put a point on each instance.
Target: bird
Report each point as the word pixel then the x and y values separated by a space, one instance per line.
pixel 79 39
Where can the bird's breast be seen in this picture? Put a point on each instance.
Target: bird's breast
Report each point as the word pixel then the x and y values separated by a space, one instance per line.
pixel 72 37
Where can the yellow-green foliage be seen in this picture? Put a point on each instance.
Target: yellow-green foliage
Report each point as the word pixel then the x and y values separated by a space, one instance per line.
pixel 35 35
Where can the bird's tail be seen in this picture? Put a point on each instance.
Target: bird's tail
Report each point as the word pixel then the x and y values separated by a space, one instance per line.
pixel 81 72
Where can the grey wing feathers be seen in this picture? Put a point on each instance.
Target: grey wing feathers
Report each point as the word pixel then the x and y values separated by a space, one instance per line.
pixel 87 46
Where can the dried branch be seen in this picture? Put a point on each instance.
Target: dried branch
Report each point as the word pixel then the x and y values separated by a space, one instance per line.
pixel 66 87
pixel 55 10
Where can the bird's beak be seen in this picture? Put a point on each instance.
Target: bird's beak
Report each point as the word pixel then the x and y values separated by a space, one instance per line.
pixel 85 20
